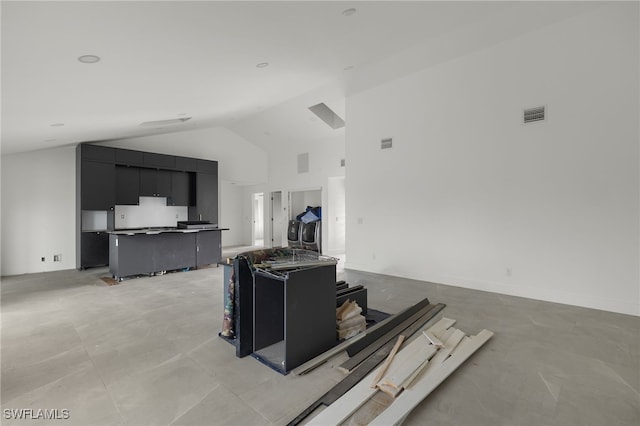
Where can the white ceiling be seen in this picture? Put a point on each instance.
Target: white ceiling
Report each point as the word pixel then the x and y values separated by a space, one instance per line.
pixel 170 59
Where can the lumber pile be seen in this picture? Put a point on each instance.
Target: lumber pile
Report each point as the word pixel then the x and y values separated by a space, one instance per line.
pixel 408 375
pixel 349 320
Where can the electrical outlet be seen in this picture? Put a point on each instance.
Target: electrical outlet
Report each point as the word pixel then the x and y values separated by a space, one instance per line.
pixel 42 259
pixel 57 258
pixel 122 216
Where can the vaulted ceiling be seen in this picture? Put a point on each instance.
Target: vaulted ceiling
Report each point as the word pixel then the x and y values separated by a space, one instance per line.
pixel 252 67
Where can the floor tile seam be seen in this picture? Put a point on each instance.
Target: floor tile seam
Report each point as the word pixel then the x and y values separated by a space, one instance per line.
pixel 620 378
pixel 106 388
pixel 79 345
pixel 185 411
pixel 52 383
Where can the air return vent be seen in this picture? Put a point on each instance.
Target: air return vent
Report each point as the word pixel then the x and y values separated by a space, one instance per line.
pixel 386 143
pixel 534 114
pixel 303 162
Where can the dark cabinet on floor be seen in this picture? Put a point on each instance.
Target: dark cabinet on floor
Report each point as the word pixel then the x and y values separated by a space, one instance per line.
pixel 95 249
pixel 208 248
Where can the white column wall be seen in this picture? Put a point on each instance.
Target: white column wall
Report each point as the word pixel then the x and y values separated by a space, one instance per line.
pixel 38 211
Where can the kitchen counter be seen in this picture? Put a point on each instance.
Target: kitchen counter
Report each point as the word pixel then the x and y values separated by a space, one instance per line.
pixel 149 251
pixel 160 230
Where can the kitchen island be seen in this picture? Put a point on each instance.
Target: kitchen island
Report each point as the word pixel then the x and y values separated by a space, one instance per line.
pixel 151 251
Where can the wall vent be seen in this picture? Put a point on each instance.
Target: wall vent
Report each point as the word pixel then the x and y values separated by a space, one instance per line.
pixel 386 143
pixel 342 162
pixel 534 114
pixel 303 162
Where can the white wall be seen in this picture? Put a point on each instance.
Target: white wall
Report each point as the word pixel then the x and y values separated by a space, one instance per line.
pixel 324 163
pixel 471 197
pixel 232 214
pixel 38 211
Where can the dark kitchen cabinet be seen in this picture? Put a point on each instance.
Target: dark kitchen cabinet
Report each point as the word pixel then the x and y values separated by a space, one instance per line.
pixel 129 157
pixel 206 198
pixel 155 183
pixel 181 189
pixel 97 186
pixel 127 185
pixel 99 153
pixel 95 249
pixel 208 248
pixel 152 159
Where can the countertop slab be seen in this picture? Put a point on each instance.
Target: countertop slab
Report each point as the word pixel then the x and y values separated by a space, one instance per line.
pixel 153 231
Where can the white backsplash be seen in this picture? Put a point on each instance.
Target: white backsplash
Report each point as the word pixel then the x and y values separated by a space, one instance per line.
pixel 152 211
pixel 93 220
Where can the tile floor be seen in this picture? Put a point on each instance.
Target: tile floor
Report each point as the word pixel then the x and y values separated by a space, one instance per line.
pixel 146 352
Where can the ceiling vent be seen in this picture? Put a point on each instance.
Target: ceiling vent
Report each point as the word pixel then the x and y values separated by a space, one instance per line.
pixel 534 114
pixel 386 143
pixel 165 122
pixel 327 115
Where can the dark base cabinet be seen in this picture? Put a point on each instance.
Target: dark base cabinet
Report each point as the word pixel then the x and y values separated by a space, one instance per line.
pixel 95 249
pixel 294 316
pixel 208 248
pixel 140 253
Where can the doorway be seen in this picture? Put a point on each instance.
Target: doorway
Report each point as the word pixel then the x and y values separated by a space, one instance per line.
pixel 258 219
pixel 277 219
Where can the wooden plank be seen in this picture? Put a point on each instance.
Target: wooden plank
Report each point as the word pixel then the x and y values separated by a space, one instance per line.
pixel 451 342
pixel 410 398
pixel 421 351
pixel 385 365
pixel 389 324
pixel 323 357
pixel 343 387
pixel 433 339
pixel 421 317
pixel 357 377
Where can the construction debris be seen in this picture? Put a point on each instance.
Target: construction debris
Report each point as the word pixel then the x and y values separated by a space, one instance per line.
pixel 349 320
pixel 409 376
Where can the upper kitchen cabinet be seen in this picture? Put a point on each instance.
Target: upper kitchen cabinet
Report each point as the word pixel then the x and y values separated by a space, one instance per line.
pixel 128 157
pixel 160 161
pixel 206 198
pixel 155 183
pixel 182 185
pixel 127 185
pixel 186 164
pixel 97 188
pixel 99 153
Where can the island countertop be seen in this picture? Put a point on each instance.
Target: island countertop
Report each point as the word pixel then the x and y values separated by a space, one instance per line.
pixel 161 230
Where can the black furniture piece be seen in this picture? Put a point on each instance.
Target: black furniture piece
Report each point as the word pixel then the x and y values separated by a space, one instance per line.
pixel 283 310
pixel 144 252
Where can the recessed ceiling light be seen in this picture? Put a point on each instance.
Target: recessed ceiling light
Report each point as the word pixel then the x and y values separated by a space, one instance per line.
pixel 89 59
pixel 57 125
pixel 262 65
pixel 349 12
pixel 348 68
